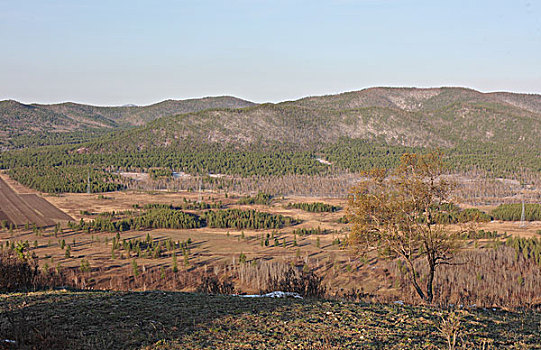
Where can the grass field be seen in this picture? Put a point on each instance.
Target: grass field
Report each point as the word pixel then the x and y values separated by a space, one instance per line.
pixel 210 247
pixel 114 316
pixel 169 320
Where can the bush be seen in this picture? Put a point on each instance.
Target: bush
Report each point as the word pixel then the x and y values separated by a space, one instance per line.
pixel 211 284
pixel 304 282
pixel 16 273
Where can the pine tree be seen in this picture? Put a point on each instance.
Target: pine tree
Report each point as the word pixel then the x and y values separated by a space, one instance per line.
pixel 175 264
pixel 135 268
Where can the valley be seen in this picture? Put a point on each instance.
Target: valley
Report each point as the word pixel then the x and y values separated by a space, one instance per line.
pixel 249 199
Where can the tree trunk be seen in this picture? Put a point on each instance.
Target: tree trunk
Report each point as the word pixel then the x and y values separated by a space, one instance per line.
pixel 413 279
pixel 430 281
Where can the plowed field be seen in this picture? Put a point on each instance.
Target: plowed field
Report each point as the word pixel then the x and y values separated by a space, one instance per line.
pixel 27 208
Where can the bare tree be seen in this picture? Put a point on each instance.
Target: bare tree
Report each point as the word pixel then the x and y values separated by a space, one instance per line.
pixel 395 213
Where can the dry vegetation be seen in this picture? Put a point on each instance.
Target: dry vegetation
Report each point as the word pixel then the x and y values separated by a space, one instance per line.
pixel 120 320
pixel 217 251
pixel 228 261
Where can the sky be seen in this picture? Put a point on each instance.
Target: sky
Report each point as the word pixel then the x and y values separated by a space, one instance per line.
pixel 141 52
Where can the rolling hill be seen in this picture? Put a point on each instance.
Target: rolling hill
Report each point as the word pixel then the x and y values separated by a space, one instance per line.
pixel 353 131
pixel 18 119
pixel 443 117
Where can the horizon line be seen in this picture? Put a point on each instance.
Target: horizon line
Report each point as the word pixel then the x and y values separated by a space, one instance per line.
pixel 128 105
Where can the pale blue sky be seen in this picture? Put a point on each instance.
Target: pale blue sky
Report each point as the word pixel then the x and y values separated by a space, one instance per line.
pixel 119 52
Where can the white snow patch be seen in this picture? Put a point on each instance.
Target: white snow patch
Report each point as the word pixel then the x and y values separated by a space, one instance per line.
pixel 277 294
pixel 180 174
pixel 323 161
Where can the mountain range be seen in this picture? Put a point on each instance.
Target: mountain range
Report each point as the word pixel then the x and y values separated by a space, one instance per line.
pixel 435 117
pixel 18 119
pixel 440 117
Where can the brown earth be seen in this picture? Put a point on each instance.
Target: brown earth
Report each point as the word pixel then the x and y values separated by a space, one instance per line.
pixel 27 208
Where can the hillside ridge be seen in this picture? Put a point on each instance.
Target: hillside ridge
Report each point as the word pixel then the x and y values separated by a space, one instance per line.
pixel 439 117
pixel 18 118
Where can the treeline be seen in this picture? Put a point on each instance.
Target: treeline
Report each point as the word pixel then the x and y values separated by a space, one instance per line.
pixel 153 218
pixel 246 219
pixel 163 216
pixel 500 159
pixel 260 198
pixel 204 160
pixel 315 207
pixel 361 154
pixel 452 214
pixel 41 168
pixel 197 158
pixel 529 248
pixel 513 212
pixel 309 231
pixel 186 205
pixel 58 179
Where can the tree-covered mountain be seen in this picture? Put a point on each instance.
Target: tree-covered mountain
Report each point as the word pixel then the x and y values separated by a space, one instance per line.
pixel 18 120
pixel 443 117
pixel 496 132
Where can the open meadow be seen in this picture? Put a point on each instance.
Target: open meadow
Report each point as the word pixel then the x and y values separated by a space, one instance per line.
pixel 109 259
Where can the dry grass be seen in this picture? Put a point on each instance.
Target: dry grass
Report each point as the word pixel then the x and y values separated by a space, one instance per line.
pixel 167 320
pixel 219 249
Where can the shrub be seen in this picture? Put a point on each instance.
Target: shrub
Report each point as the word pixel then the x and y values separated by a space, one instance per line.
pixel 304 282
pixel 211 284
pixel 16 273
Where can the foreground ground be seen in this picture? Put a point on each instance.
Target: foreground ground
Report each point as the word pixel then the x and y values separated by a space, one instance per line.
pixel 168 320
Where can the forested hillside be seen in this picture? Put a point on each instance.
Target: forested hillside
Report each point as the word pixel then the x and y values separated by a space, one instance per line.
pixel 66 121
pixel 445 117
pixel 354 131
pixel 359 130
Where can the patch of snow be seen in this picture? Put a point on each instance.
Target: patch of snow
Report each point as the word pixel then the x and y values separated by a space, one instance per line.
pixel 399 302
pixel 323 161
pixel 217 175
pixel 180 174
pixel 277 294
